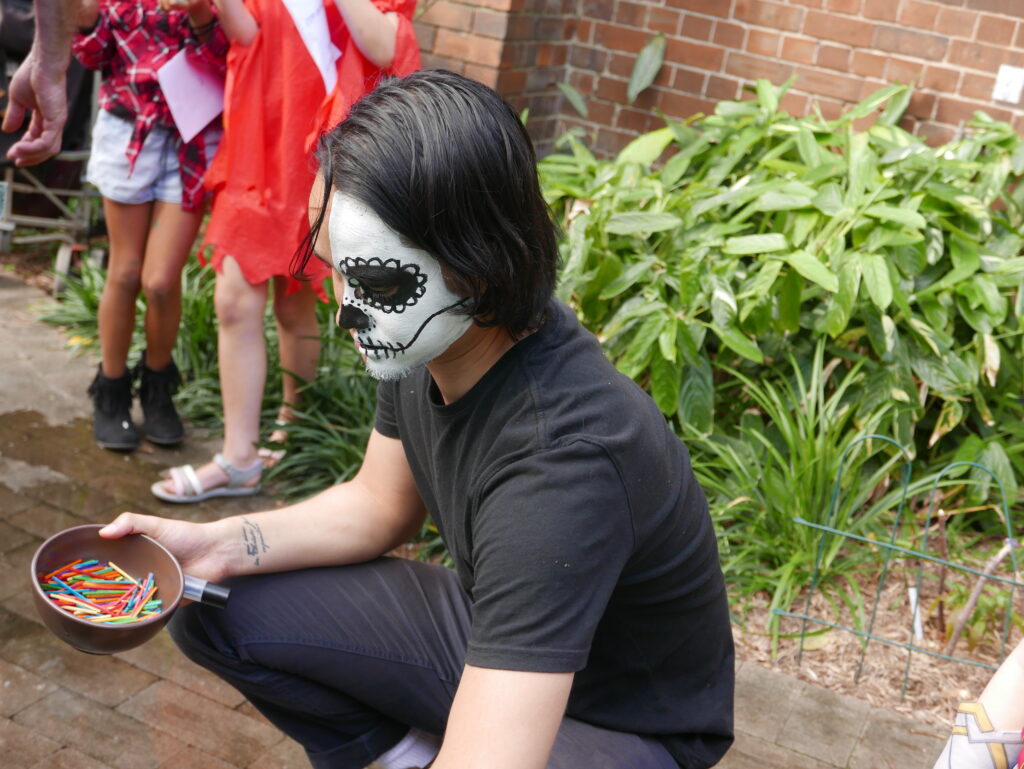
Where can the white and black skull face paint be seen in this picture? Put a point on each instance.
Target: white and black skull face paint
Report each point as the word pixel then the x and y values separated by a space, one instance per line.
pixel 395 301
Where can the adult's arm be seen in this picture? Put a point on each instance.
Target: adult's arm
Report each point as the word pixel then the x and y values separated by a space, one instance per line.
pixel 503 719
pixel 39 84
pixel 352 522
pixel 372 30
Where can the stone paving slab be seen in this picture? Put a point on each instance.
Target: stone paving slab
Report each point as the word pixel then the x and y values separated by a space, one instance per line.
pixel 23 746
pixel 103 733
pixel 151 708
pixel 892 741
pixel 69 758
pixel 815 708
pixel 161 657
pixel 206 725
pixel 20 688
pixel 106 680
pixel 750 752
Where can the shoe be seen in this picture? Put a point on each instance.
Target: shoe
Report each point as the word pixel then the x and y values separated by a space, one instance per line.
pixel 186 486
pixel 112 412
pixel 975 744
pixel 162 424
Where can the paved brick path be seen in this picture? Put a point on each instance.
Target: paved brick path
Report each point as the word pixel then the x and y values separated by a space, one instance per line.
pixel 150 708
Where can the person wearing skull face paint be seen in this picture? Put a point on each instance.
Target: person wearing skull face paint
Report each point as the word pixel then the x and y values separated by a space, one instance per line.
pixel 585 623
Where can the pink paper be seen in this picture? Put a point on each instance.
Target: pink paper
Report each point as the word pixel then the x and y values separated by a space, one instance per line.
pixel 194 94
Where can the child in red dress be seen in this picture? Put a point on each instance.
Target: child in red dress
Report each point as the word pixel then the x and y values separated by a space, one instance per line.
pixel 277 102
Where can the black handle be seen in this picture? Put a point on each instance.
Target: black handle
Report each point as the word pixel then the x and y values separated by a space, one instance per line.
pixel 196 589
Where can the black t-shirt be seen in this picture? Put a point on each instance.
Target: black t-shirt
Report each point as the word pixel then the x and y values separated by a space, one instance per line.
pixel 579 533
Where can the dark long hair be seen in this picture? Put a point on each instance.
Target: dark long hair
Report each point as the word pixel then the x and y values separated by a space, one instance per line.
pixel 448 165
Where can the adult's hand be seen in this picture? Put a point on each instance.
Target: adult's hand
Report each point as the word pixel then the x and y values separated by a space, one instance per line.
pixel 199 547
pixel 39 86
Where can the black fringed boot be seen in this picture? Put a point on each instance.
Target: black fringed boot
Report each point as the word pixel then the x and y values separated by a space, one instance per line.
pixel 112 412
pixel 162 425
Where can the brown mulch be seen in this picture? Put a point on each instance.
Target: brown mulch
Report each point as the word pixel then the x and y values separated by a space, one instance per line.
pixel 934 686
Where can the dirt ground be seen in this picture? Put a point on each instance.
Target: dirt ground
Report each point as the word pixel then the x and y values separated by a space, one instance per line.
pixel 934 686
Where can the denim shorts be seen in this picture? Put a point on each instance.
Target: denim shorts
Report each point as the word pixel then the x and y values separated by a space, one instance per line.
pixel 156 175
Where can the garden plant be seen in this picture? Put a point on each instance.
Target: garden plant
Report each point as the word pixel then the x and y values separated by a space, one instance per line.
pixel 781 285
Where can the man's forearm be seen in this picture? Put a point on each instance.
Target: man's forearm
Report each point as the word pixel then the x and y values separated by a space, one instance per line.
pixel 344 524
pixel 55 23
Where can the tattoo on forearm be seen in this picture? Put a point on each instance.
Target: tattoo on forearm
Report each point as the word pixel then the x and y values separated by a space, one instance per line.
pixel 252 535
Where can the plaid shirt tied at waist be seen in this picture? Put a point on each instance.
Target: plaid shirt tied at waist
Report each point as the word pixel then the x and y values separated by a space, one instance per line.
pixel 128 44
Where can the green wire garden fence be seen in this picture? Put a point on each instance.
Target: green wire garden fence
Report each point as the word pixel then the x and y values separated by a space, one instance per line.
pixel 890 549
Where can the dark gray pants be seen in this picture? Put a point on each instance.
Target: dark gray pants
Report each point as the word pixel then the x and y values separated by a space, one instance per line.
pixel 344 660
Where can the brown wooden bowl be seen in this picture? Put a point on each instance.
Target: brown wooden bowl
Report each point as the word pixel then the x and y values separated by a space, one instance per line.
pixel 138 555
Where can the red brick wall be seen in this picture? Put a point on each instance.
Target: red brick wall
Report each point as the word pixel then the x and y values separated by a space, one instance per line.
pixel 838 50
pixel 519 47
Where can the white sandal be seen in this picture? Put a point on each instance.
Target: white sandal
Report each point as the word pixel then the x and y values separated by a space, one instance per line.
pixel 188 488
pixel 974 744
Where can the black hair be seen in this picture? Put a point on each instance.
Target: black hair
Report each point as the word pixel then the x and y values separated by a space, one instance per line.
pixel 448 165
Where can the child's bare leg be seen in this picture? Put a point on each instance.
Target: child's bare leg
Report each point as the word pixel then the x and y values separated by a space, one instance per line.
pixel 171 235
pixel 299 341
pixel 241 353
pixel 127 227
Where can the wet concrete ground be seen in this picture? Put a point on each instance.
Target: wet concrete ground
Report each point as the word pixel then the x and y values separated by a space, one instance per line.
pixel 150 708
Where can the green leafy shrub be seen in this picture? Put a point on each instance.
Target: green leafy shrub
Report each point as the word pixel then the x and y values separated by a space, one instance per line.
pixel 762 232
pixel 723 260
pixel 783 460
pixel 327 440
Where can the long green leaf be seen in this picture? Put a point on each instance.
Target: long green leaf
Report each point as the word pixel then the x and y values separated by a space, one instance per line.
pixel 877 280
pixel 739 343
pixel 636 222
pixel 768 96
pixel 755 244
pixel 629 278
pixel 812 269
pixel 697 397
pixel 645 149
pixel 899 215
pixel 781 201
pixel 647 66
pixel 874 101
pixel 574 97
pixel 666 378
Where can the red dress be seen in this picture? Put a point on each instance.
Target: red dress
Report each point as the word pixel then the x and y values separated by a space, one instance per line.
pixel 274 108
